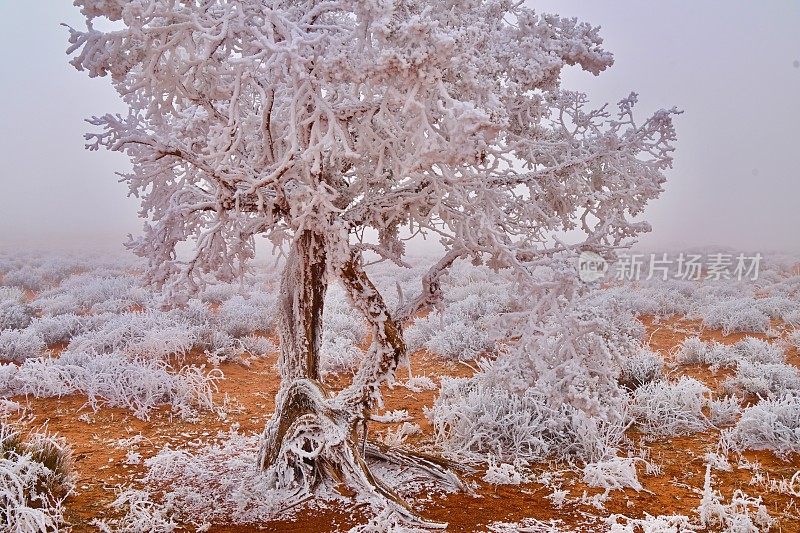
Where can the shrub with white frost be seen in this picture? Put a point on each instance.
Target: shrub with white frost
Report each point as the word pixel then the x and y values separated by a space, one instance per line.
pixel 692 350
pixel 35 476
pixel 724 411
pixel 117 290
pixel 140 514
pixel 467 325
pixel 614 473
pixel 25 278
pixel 14 312
pixel 771 424
pixel 150 334
pixel 343 330
pixel 715 354
pixel 472 420
pixel 56 329
pixel 734 314
pixel 664 408
pixel 758 351
pixel 794 339
pixel 20 344
pixel 742 515
pixel 641 368
pixel 765 380
pixel 112 379
pixel 241 316
pixel 460 339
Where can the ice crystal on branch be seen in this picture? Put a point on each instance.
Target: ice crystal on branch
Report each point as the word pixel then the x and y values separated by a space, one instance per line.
pixel 253 120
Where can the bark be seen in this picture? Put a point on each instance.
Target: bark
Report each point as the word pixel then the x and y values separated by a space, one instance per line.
pixel 302 299
pixel 388 347
pixel 313 436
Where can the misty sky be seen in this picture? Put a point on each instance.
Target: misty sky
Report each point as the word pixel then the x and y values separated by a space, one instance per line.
pixel 732 66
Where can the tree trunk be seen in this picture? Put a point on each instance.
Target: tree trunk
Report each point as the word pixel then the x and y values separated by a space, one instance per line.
pixel 301 302
pixel 313 436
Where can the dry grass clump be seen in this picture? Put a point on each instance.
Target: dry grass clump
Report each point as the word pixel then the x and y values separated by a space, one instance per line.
pixel 36 475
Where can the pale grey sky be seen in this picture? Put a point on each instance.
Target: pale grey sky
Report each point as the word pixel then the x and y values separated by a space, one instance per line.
pixel 731 65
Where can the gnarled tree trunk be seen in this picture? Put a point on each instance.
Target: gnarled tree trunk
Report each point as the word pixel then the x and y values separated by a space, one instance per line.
pixel 313 435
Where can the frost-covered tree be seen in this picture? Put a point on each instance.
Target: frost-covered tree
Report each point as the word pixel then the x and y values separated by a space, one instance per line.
pixel 316 123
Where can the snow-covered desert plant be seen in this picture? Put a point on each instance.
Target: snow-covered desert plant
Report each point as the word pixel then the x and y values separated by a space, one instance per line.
pixel 766 380
pixel 472 420
pixel 35 476
pixel 20 344
pixel 771 424
pixel 112 379
pixel 640 369
pixel 14 312
pixel 664 408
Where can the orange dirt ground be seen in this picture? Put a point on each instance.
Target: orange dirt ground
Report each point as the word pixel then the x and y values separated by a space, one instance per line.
pixel 101 468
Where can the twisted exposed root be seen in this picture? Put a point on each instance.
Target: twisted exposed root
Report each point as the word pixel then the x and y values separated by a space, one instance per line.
pixel 308 441
pixel 435 467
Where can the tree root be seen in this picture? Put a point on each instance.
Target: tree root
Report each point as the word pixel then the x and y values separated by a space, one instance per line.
pixel 309 441
pixel 434 467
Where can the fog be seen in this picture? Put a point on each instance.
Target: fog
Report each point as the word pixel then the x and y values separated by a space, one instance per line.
pixel 732 66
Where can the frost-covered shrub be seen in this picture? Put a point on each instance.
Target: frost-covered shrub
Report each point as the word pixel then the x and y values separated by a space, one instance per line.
pixel 615 473
pixel 620 330
pixel 20 344
pixel 14 315
pixel 58 328
pixel 757 351
pixel 618 523
pixel 257 345
pixel 724 411
pixel 57 304
pixel 81 292
pixel 792 318
pixel 240 316
pixel 771 424
pixel 35 477
pixel 738 314
pixel 220 292
pixel 139 515
pixel 151 334
pixel 114 305
pixel 113 379
pixel 343 329
pixel 664 408
pixel 794 339
pixel 221 347
pixel 472 420
pixel 467 326
pixel 25 278
pixel 198 314
pixel 777 307
pixel 656 298
pixel 716 354
pixel 692 350
pixel 215 483
pixel 477 292
pixel 14 312
pixel 742 515
pixel 766 380
pixel 641 368
pixel 460 339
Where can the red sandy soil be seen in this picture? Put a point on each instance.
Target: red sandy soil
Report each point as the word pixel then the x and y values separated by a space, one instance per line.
pixel 101 468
